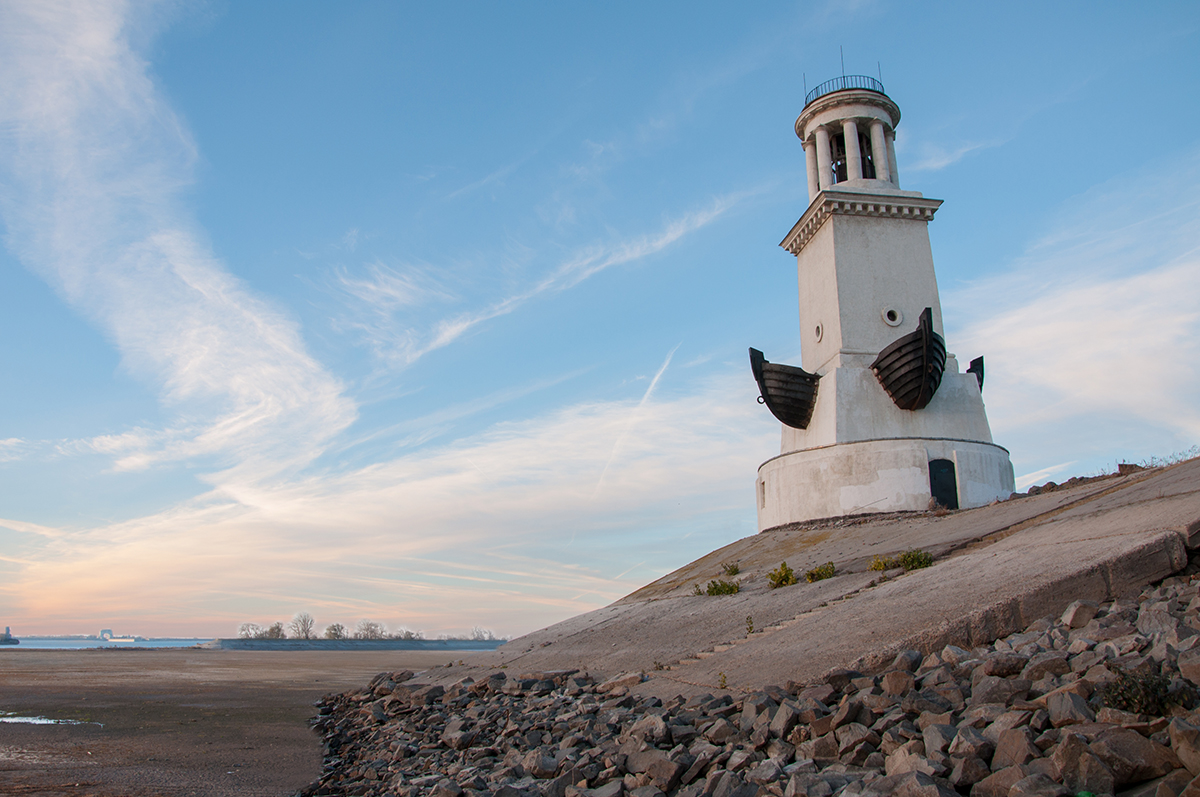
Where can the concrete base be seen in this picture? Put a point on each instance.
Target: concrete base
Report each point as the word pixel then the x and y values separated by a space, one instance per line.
pixel 876 476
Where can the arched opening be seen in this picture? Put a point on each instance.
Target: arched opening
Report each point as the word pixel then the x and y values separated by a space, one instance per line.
pixel 943 484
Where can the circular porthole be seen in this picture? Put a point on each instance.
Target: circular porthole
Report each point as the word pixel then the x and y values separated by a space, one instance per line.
pixel 892 317
pixel 820 332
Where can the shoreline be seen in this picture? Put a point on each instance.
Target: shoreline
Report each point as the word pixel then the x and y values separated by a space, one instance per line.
pixel 177 721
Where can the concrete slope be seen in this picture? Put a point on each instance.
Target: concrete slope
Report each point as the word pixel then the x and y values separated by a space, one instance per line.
pixel 999 568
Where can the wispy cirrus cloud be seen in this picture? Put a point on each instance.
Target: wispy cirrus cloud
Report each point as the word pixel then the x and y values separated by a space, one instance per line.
pixel 399 541
pixel 1098 323
pixel 388 292
pixel 930 157
pixel 93 162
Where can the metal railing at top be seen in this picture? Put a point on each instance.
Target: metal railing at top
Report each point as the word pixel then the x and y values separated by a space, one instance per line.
pixel 844 82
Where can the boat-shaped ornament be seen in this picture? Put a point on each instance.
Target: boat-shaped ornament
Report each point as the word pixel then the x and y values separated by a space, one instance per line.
pixel 910 369
pixel 790 393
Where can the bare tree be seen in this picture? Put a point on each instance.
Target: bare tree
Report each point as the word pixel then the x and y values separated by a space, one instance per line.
pixel 405 633
pixel 250 631
pixel 482 634
pixel 274 632
pixel 369 629
pixel 303 626
pixel 336 631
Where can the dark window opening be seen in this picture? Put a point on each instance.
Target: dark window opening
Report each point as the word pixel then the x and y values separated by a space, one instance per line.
pixel 868 156
pixel 943 485
pixel 837 151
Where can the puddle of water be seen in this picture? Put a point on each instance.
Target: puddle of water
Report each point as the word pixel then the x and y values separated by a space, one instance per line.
pixel 6 716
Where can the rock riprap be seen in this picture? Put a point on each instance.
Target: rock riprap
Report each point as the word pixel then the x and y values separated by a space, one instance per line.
pixel 1101 700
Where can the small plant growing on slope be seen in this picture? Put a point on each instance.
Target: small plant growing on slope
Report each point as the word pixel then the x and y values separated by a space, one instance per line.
pixel 749 625
pixel 731 569
pixel 782 576
pixel 723 587
pixel 697 590
pixel 1139 693
pixel 821 572
pixel 914 559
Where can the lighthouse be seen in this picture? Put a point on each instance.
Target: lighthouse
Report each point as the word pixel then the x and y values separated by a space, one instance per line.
pixel 878 417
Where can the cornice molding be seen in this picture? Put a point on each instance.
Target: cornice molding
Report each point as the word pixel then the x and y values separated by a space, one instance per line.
pixel 843 203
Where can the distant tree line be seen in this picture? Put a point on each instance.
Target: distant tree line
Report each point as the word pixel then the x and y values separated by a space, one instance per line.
pixel 303 626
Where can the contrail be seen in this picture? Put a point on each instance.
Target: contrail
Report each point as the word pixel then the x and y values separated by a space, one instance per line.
pixel 633 416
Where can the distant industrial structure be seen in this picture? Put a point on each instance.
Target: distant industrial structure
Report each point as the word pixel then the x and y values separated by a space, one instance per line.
pixel 879 418
pixel 7 638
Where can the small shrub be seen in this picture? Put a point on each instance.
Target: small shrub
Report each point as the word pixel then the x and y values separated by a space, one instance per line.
pixel 914 559
pixel 821 572
pixel 749 625
pixel 696 590
pixel 723 587
pixel 782 576
pixel 721 680
pixel 881 563
pixel 731 569
pixel 1139 693
pixel 658 665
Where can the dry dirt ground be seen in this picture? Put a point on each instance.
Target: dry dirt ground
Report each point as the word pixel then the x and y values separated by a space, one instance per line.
pixel 174 722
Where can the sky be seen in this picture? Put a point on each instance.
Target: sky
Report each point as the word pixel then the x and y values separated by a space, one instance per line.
pixel 437 314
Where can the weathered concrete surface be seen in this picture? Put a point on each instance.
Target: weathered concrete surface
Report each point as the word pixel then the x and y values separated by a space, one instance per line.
pixel 999 568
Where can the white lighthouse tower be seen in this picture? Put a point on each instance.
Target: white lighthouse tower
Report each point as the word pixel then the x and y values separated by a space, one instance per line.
pixel 879 418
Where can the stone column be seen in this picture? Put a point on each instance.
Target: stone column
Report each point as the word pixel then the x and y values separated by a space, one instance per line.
pixel 893 170
pixel 810 163
pixel 853 153
pixel 824 159
pixel 879 152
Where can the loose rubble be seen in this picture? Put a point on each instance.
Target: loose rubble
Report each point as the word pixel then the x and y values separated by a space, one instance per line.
pixel 1101 700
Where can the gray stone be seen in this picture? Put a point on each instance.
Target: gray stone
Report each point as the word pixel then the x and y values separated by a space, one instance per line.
pixel 1002 665
pixel 908 784
pixel 937 738
pixel 1068 708
pixel 1053 662
pixel 968 742
pixel 897 683
pixel 764 772
pixel 1185 741
pixel 664 772
pixel 998 783
pixel 1189 665
pixel 968 771
pixel 1037 786
pixel 994 689
pixel 902 761
pixel 786 717
pixel 1014 748
pixel 1007 720
pixel 807 785
pixel 1132 757
pixel 614 788
pixel 1079 613
pixel 730 785
pixel 1080 768
pixel 850 736
pixel 652 728
pixel 720 731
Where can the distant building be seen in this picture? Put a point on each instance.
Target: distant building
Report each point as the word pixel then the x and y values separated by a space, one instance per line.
pixel 106 633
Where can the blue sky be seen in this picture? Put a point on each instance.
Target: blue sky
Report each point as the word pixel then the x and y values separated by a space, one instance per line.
pixel 437 314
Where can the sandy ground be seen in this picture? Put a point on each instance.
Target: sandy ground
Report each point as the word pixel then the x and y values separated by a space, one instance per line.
pixel 174 722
